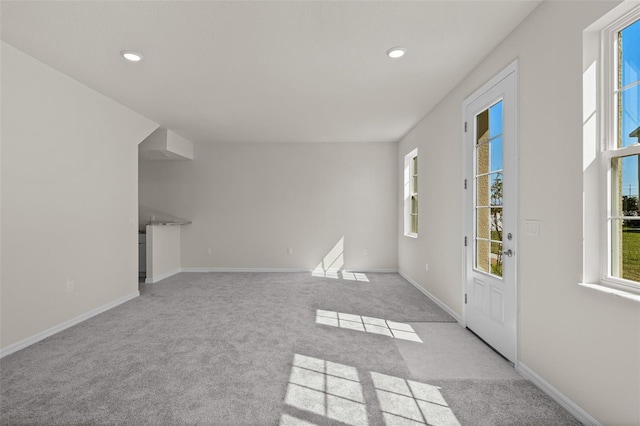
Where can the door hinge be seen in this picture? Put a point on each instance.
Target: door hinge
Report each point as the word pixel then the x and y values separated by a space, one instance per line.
pixel 465 127
pixel 465 241
pixel 465 184
pixel 465 298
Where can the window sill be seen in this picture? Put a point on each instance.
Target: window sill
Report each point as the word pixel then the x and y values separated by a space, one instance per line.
pixel 625 294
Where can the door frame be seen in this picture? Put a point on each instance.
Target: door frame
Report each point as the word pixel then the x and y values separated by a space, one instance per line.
pixel 512 68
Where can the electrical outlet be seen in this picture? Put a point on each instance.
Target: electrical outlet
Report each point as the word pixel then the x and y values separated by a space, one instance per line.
pixel 71 286
pixel 209 251
pixel 290 251
pixel 426 267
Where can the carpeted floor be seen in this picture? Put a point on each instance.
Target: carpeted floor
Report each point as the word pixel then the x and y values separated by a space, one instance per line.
pixel 246 349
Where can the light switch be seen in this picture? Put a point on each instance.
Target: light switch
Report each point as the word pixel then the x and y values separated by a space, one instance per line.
pixel 531 228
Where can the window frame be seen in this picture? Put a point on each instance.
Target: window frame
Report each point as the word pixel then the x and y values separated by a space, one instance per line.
pixel 609 149
pixel 411 175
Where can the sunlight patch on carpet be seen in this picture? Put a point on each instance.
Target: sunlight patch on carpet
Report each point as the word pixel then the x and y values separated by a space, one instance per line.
pixel 403 401
pixel 334 391
pixel 398 330
pixel 327 389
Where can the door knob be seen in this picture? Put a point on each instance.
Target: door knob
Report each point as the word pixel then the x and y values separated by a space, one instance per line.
pixel 508 253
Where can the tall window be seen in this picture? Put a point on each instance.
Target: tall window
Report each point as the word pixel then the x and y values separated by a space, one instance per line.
pixel 411 194
pixel 621 149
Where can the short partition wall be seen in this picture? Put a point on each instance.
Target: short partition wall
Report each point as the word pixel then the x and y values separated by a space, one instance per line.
pixel 163 252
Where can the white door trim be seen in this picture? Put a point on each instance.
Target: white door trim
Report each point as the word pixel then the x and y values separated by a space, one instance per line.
pixel 512 68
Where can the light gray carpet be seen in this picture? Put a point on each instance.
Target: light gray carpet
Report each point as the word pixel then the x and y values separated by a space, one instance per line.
pixel 452 352
pixel 245 349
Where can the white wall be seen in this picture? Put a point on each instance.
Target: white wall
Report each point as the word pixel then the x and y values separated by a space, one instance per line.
pixel 249 203
pixel 163 251
pixel 584 343
pixel 69 198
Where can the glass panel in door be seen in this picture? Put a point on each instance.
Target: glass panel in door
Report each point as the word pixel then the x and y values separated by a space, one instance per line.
pixel 488 182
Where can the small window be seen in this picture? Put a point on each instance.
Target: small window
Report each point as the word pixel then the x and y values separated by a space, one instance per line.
pixel 411 194
pixel 621 151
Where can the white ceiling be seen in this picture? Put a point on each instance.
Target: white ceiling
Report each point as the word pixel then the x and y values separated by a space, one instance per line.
pixel 267 71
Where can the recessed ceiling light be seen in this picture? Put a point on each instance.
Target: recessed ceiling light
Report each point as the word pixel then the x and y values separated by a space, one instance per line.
pixel 396 52
pixel 132 56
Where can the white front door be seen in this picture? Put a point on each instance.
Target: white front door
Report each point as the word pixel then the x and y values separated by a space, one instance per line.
pixel 490 213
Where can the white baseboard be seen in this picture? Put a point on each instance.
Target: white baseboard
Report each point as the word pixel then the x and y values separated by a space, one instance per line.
pixel 437 301
pixel 222 269
pixel 581 415
pixel 151 280
pixel 70 323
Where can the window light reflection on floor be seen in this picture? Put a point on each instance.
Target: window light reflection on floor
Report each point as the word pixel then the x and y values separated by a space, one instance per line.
pixel 403 401
pixel 336 275
pixel 287 420
pixel 332 390
pixel 398 330
pixel 354 276
pixel 327 389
